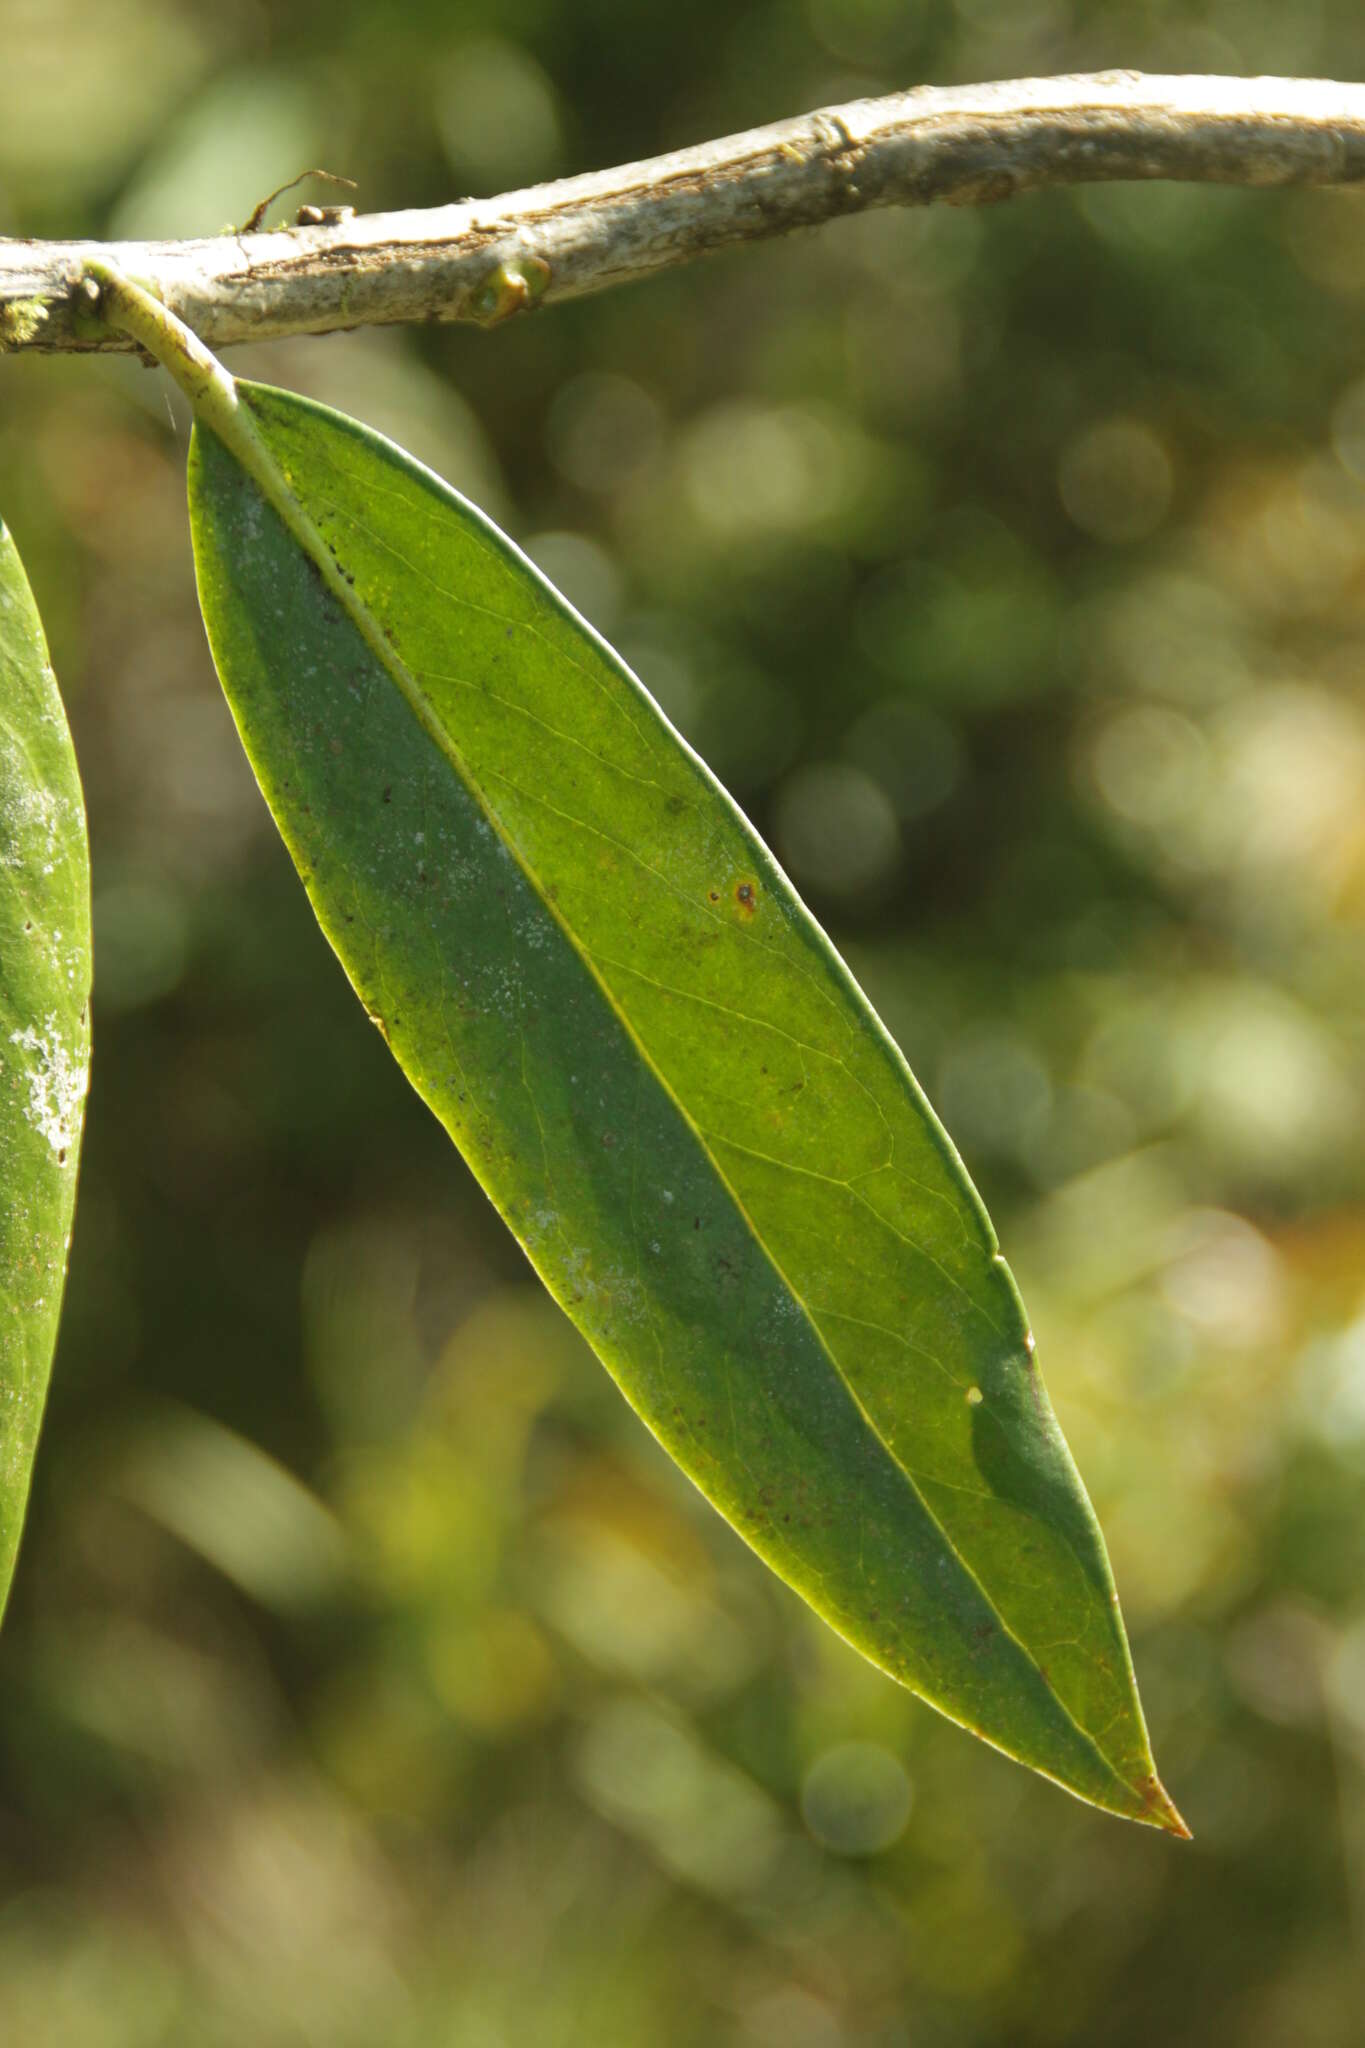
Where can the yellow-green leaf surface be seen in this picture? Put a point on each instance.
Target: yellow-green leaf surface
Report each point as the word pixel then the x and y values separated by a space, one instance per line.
pixel 594 972
pixel 44 1028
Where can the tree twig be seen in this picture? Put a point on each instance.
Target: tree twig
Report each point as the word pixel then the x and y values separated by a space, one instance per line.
pixel 484 260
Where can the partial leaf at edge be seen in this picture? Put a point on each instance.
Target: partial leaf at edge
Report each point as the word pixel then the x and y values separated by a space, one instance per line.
pixel 44 1028
pixel 593 971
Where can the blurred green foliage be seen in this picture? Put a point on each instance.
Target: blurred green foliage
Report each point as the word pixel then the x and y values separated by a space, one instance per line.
pixel 370 1675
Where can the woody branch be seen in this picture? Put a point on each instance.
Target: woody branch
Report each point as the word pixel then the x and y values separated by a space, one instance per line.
pixel 483 260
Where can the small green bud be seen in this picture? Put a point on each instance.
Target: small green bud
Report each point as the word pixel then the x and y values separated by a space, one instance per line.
pixel 512 288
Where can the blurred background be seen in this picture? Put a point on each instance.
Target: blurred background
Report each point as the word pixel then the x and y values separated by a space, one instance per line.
pixel 370 1676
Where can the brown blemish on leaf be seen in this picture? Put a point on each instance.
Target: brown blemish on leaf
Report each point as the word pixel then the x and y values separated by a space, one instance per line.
pixel 746 896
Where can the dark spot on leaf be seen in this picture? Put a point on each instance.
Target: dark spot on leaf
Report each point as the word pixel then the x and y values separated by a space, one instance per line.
pixel 746 896
pixel 713 895
pixel 61 1157
pixel 675 804
pixel 388 793
pixel 608 1140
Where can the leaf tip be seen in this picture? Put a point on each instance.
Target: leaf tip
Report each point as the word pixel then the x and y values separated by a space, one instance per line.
pixel 1162 1811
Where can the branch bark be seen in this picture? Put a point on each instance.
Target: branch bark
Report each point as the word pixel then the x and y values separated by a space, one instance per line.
pixel 487 259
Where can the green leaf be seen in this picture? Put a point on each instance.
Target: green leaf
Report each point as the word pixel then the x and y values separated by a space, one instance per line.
pixel 596 975
pixel 591 968
pixel 44 1028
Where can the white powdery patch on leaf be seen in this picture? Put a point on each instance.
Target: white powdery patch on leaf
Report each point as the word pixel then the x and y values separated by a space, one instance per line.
pixel 31 817
pixel 56 1085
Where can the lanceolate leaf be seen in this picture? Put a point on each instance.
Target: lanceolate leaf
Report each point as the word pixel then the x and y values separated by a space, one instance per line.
pixel 44 1028
pixel 594 972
